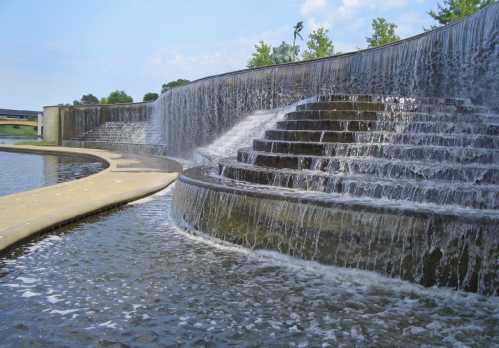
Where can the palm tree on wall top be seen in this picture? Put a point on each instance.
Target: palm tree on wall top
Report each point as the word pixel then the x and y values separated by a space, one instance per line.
pixel 296 33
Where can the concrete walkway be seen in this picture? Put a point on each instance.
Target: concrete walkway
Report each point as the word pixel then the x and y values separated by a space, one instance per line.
pixel 128 177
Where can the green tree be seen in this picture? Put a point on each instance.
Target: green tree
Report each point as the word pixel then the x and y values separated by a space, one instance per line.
pixel 319 45
pixel 452 10
pixel 383 33
pixel 284 53
pixel 172 84
pixel 151 96
pixel 116 97
pixel 89 99
pixel 262 56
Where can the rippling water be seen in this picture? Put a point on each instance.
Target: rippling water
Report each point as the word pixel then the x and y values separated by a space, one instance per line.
pixel 22 172
pixel 13 140
pixel 131 278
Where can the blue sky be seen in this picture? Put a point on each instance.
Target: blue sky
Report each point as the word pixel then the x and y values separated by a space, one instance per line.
pixel 55 51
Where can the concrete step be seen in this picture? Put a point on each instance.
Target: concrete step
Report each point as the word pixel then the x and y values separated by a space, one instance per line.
pixel 387 151
pixel 312 136
pixel 396 116
pixel 437 192
pixel 437 139
pixel 332 115
pixel 391 126
pixel 342 105
pixel 383 168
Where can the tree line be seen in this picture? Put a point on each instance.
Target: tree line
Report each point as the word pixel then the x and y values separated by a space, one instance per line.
pixel 319 45
pixel 116 97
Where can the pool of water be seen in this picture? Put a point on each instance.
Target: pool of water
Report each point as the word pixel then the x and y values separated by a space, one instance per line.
pixel 22 172
pixel 132 278
pixel 13 140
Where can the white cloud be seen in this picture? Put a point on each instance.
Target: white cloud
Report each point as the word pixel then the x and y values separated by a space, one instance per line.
pixel 348 6
pixel 349 22
pixel 193 62
pixel 311 6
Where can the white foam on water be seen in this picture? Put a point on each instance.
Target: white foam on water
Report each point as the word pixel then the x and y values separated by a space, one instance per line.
pixel 64 312
pixel 347 277
pixel 152 197
pixel 27 280
pixel 28 294
pixel 53 299
pixel 13 286
pixel 165 191
pixel 46 242
pixel 204 238
pixel 109 325
pixel 141 201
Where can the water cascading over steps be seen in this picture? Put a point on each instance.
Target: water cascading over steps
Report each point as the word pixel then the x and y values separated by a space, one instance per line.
pixel 457 61
pixel 405 187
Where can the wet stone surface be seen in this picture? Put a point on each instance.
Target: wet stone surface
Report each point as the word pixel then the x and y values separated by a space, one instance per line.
pixel 131 278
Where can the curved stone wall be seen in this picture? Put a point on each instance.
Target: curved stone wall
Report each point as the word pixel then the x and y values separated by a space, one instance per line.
pixel 457 61
pixel 432 248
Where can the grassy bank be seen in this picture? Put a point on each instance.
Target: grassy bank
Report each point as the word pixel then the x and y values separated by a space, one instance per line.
pixel 35 143
pixel 17 131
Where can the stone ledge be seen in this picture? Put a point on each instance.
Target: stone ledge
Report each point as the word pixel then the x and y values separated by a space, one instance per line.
pixel 127 178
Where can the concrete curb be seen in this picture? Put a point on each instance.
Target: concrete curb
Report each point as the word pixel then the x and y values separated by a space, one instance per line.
pixel 127 178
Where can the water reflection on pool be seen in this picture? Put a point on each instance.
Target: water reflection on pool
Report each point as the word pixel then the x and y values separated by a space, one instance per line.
pixel 22 172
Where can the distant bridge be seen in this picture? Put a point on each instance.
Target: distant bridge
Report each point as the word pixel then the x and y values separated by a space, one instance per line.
pixel 19 113
pixel 24 118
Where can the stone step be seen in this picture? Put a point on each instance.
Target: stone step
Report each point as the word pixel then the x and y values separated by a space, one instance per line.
pixel 390 126
pixel 395 99
pixel 404 116
pixel 323 125
pixel 421 191
pixel 342 105
pixel 115 132
pixel 394 104
pixel 332 115
pixel 313 136
pixel 345 97
pixel 438 139
pixel 210 177
pixel 428 139
pixel 395 169
pixel 387 151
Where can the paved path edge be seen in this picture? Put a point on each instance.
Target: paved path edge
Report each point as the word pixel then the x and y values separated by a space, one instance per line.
pixel 115 185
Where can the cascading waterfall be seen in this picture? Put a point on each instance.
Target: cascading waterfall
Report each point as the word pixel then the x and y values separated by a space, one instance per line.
pixel 81 121
pixel 417 67
pixel 401 190
pixel 391 164
pixel 440 250
pixel 197 114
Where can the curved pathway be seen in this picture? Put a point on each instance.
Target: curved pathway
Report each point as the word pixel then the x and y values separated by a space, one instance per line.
pixel 128 177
